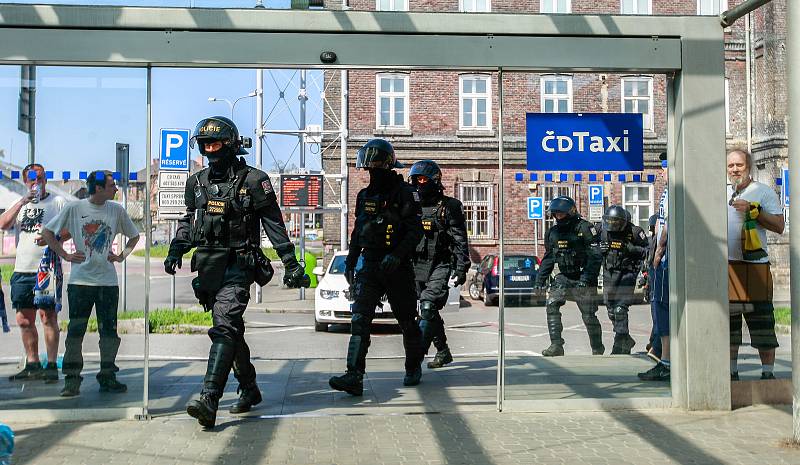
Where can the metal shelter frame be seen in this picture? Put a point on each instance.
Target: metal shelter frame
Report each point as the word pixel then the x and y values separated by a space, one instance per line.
pixel 689 50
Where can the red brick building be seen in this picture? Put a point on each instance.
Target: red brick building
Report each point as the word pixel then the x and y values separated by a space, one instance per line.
pixel 451 117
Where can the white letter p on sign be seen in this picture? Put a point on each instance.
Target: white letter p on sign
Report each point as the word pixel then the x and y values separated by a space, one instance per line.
pixel 174 141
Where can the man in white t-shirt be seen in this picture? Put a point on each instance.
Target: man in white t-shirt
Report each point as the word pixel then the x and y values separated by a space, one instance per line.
pixel 27 217
pixel 93 224
pixel 749 195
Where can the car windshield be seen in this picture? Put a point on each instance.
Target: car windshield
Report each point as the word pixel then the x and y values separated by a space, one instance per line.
pixel 338 264
pixel 519 261
pixel 337 267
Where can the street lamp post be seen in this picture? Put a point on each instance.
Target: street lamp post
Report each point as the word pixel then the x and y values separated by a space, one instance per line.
pixel 232 106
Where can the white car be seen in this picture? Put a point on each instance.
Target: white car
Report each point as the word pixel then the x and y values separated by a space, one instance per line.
pixel 332 297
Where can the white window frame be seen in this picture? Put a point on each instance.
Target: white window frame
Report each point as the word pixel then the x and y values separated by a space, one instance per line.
pixel 475 97
pixel 550 191
pixel 463 9
pixel 649 8
pixel 554 3
pixel 648 125
pixel 391 95
pixel 471 218
pixel 403 5
pixel 727 106
pixel 723 5
pixel 639 202
pixel 544 97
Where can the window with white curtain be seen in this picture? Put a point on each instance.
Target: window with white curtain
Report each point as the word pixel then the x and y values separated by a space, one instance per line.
pixel 556 94
pixel 475 6
pixel 637 97
pixel 475 102
pixel 555 6
pixel 391 5
pixel 391 101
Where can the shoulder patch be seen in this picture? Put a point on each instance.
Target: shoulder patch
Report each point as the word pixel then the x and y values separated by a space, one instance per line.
pixel 267 186
pixel 415 194
pixel 641 235
pixel 593 230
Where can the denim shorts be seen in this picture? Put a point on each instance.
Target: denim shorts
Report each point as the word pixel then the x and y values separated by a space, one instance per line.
pixel 22 285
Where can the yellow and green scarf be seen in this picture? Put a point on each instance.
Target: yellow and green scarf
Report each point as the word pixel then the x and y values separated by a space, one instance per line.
pixel 751 244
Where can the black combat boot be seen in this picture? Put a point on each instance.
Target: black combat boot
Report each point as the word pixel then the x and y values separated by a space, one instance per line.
pixel 245 373
pixel 554 327
pixel 351 382
pixel 220 360
pixel 249 396
pixel 413 377
pixel 442 358
pixel 623 343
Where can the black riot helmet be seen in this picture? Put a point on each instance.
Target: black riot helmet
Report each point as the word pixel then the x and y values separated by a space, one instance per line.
pixel 219 128
pixel 377 153
pixel 426 176
pixel 615 219
pixel 563 204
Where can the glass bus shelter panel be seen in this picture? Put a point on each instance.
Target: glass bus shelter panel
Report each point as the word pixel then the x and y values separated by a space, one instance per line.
pixel 81 115
pixel 297 345
pixel 531 325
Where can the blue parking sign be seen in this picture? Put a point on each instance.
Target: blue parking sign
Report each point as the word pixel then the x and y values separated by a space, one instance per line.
pixel 596 194
pixel 535 208
pixel 174 153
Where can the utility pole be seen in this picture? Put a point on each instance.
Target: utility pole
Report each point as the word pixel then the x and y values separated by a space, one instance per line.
pixel 303 97
pixel 259 147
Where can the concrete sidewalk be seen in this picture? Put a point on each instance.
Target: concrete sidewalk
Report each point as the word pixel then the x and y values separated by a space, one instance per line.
pixel 749 436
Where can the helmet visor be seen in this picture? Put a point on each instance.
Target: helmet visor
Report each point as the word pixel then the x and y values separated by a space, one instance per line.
pixel 374 157
pixel 613 223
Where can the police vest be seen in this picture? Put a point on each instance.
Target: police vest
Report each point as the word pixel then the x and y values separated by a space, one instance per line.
pixel 568 247
pixel 617 257
pixel 224 214
pixel 377 218
pixel 434 241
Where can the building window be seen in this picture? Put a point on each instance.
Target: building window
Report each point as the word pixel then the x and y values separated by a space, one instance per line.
pixel 711 7
pixel 549 192
pixel 392 101
pixel 637 97
pixel 474 102
pixel 638 200
pixel 556 94
pixel 727 106
pixel 637 7
pixel 555 6
pixel 475 6
pixel 391 5
pixel 478 209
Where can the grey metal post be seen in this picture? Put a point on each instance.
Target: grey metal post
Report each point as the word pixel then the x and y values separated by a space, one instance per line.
pixel 123 290
pixel 303 98
pixel 793 68
pixel 259 147
pixel 501 348
pixel 148 239
pixel 173 227
pixel 699 316
pixel 343 131
pixel 32 117
pixel 748 63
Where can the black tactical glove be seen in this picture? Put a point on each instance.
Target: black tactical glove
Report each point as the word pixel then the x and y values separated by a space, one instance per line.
pixel 390 263
pixel 458 277
pixel 539 290
pixel 350 274
pixel 604 247
pixel 172 262
pixel 582 284
pixel 294 276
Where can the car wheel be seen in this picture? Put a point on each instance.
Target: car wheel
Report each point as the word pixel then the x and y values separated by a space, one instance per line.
pixel 474 292
pixel 320 327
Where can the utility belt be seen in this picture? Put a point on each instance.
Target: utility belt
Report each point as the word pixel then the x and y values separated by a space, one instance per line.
pixel 211 263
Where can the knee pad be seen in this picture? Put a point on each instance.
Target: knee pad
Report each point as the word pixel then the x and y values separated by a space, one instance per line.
pixel 360 325
pixel 427 310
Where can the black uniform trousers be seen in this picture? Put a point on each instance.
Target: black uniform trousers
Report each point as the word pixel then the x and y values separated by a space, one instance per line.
pixel 227 314
pixel 618 287
pixel 565 288
pixel 434 288
pixel 371 283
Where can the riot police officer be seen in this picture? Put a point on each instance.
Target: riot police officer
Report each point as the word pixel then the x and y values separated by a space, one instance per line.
pixel 227 204
pixel 441 255
pixel 386 232
pixel 623 246
pixel 572 243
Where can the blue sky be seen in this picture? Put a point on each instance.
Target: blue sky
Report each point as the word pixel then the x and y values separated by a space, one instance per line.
pixel 82 111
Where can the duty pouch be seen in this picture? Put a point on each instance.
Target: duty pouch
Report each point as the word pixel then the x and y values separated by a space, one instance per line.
pixel 211 263
pixel 263 269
